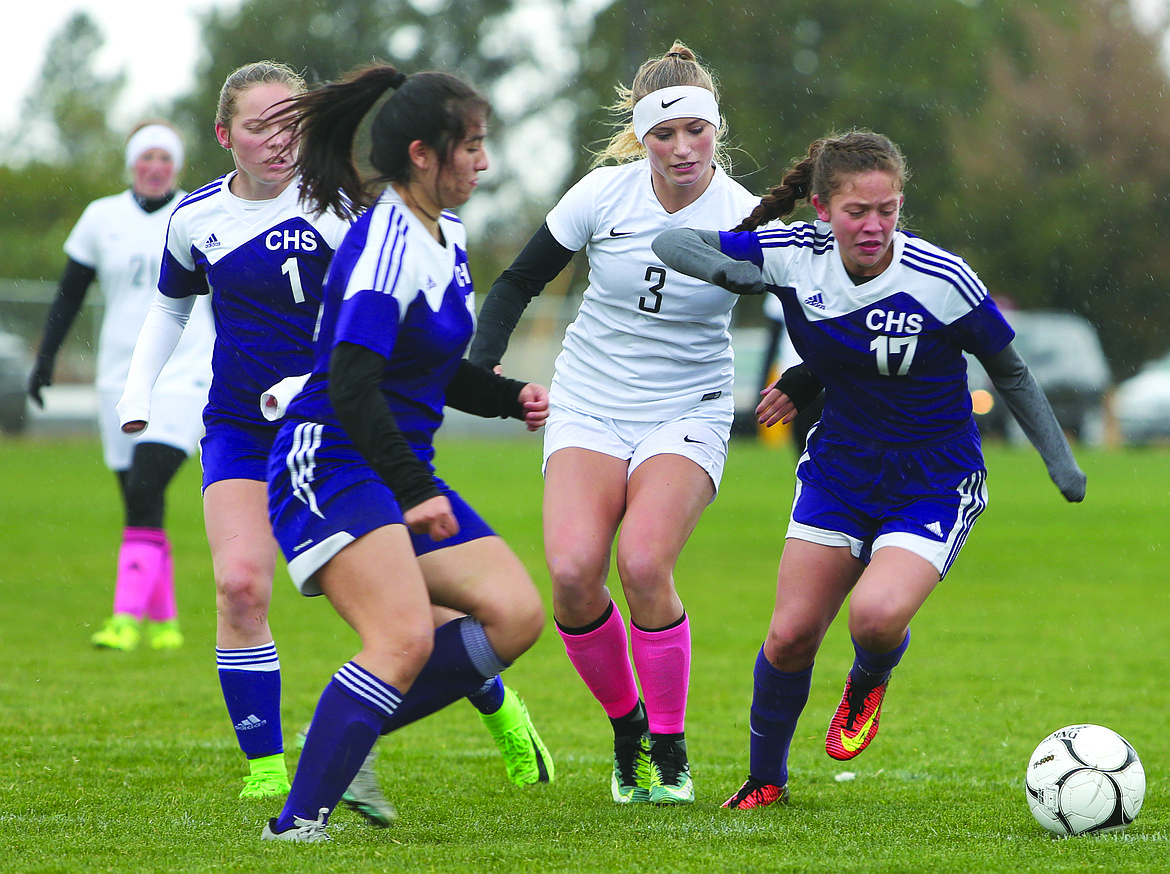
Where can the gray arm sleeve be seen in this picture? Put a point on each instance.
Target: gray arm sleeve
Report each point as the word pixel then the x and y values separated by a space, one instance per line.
pixel 697 254
pixel 1029 405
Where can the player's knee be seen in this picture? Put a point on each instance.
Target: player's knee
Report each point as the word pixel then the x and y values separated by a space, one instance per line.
pixel 243 591
pixel 576 578
pixel 789 649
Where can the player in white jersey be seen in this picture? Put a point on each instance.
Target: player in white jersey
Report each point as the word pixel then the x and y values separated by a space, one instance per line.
pixel 353 496
pixel 117 241
pixel 893 478
pixel 641 410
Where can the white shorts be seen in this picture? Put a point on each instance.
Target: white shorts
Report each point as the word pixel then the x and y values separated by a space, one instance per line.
pixel 700 434
pixel 175 420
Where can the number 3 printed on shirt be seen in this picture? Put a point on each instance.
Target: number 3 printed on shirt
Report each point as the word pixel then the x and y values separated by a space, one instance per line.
pixel 657 275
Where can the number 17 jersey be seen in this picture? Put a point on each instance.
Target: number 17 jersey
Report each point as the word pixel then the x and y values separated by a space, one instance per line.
pixel 264 263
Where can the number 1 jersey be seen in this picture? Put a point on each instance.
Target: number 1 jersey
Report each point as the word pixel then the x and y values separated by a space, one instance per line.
pixel 264 263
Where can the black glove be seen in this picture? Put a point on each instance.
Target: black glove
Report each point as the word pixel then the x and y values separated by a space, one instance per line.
pixel 41 377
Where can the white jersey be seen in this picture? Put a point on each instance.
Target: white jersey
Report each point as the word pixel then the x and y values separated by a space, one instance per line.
pixel 124 244
pixel 648 343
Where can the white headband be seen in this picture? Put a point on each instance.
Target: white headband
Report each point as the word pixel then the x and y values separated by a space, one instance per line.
pixel 154 136
pixel 677 101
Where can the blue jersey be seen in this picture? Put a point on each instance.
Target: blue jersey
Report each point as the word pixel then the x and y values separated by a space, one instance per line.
pixel 264 263
pixel 395 290
pixel 889 351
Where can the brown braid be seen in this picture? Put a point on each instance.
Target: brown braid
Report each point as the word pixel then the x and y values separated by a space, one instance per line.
pixel 820 171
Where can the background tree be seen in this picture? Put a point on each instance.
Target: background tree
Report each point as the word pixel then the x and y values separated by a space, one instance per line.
pixel 64 115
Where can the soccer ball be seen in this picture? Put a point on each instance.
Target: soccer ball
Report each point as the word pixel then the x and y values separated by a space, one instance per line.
pixel 1085 779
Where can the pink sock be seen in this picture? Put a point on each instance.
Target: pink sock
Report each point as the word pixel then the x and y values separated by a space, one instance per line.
pixel 161 606
pixel 663 659
pixel 602 659
pixel 139 560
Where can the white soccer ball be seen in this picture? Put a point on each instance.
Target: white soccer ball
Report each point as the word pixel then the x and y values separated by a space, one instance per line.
pixel 1085 779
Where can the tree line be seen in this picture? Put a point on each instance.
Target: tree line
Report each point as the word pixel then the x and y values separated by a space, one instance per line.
pixel 1034 130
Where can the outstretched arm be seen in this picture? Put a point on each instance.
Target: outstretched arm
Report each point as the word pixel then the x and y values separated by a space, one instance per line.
pixel 537 265
pixel 697 253
pixel 1029 405
pixel 475 389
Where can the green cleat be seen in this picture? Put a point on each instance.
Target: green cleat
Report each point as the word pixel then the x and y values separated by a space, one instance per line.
pixel 631 769
pixel 670 774
pixel 526 758
pixel 121 631
pixel 164 635
pixel 269 778
pixel 364 796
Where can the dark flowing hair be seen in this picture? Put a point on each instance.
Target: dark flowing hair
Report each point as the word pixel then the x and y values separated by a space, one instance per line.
pixel 432 107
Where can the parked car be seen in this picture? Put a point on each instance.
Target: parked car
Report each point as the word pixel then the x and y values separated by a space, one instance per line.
pixel 1142 404
pixel 1064 353
pixel 15 364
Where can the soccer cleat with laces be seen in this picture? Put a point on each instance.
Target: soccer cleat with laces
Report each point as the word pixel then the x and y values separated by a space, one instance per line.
pixel 631 769
pixel 757 793
pixel 855 723
pixel 164 635
pixel 269 778
pixel 526 758
pixel 670 774
pixel 305 831
pixel 364 796
pixel 121 631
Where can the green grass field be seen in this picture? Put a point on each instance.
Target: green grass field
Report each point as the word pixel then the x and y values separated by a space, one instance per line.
pixel 1054 614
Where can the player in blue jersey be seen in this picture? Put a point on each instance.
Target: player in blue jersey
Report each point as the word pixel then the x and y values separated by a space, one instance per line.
pixel 117 241
pixel 245 239
pixel 641 410
pixel 893 478
pixel 353 496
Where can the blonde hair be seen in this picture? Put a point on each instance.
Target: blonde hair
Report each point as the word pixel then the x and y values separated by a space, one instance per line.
pixel 256 73
pixel 679 66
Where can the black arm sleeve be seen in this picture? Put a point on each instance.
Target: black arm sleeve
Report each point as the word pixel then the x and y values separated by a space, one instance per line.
pixel 477 390
pixel 534 268
pixel 71 291
pixel 800 385
pixel 354 374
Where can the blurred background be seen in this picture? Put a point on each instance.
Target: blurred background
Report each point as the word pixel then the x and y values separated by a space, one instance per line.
pixel 1035 131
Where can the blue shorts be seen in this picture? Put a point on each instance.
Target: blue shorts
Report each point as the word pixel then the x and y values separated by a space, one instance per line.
pixel 924 500
pixel 322 496
pixel 232 448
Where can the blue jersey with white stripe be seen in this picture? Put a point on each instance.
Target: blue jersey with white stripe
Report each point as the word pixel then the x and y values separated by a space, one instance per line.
pixel 889 351
pixel 395 290
pixel 264 263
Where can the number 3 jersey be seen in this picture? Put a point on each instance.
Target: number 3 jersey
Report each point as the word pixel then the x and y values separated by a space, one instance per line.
pixel 648 343
pixel 889 351
pixel 264 263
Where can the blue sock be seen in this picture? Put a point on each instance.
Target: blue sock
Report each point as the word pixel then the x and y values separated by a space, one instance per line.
pixel 872 669
pixel 489 697
pixel 777 703
pixel 350 715
pixel 250 679
pixel 460 662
